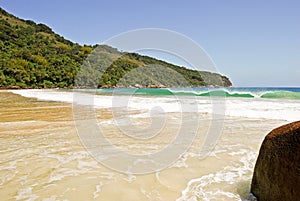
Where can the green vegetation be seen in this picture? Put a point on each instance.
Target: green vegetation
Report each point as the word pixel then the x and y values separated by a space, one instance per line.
pixel 33 56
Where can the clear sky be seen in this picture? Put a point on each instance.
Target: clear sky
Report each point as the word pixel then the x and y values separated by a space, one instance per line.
pixel 255 43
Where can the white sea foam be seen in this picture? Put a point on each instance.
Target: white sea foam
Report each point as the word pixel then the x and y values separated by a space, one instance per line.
pixel 204 187
pixel 130 178
pixel 50 95
pixel 26 194
pixel 98 190
pixel 280 109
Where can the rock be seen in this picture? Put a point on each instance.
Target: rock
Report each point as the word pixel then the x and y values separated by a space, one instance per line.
pixel 277 171
pixel 15 87
pixel 156 86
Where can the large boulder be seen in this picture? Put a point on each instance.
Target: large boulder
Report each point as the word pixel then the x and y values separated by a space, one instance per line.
pixel 277 171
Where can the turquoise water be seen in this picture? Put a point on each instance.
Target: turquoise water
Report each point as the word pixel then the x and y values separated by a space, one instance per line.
pixel 272 93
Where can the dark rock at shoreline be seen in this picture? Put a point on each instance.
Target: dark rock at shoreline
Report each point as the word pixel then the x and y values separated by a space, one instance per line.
pixel 277 171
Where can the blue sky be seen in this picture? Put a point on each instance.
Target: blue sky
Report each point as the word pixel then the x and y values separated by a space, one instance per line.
pixel 255 43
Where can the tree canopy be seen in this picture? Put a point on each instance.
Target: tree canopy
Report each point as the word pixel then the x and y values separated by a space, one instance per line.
pixel 33 56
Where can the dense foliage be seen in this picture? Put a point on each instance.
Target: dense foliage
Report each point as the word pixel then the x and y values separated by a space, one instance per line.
pixel 33 56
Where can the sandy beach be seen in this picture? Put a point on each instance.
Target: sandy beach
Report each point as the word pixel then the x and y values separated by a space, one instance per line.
pixel 42 157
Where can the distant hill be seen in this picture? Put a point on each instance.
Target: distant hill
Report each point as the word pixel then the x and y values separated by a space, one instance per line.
pixel 33 56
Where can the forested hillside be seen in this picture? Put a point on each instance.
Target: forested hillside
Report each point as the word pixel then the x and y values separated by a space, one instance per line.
pixel 33 56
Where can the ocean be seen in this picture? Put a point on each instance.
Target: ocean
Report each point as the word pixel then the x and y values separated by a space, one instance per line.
pixel 197 144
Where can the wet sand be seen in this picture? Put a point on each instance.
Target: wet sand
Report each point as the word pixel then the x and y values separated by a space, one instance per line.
pixel 41 158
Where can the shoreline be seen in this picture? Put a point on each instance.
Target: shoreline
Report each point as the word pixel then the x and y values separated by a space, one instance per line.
pixel 52 149
pixel 240 106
